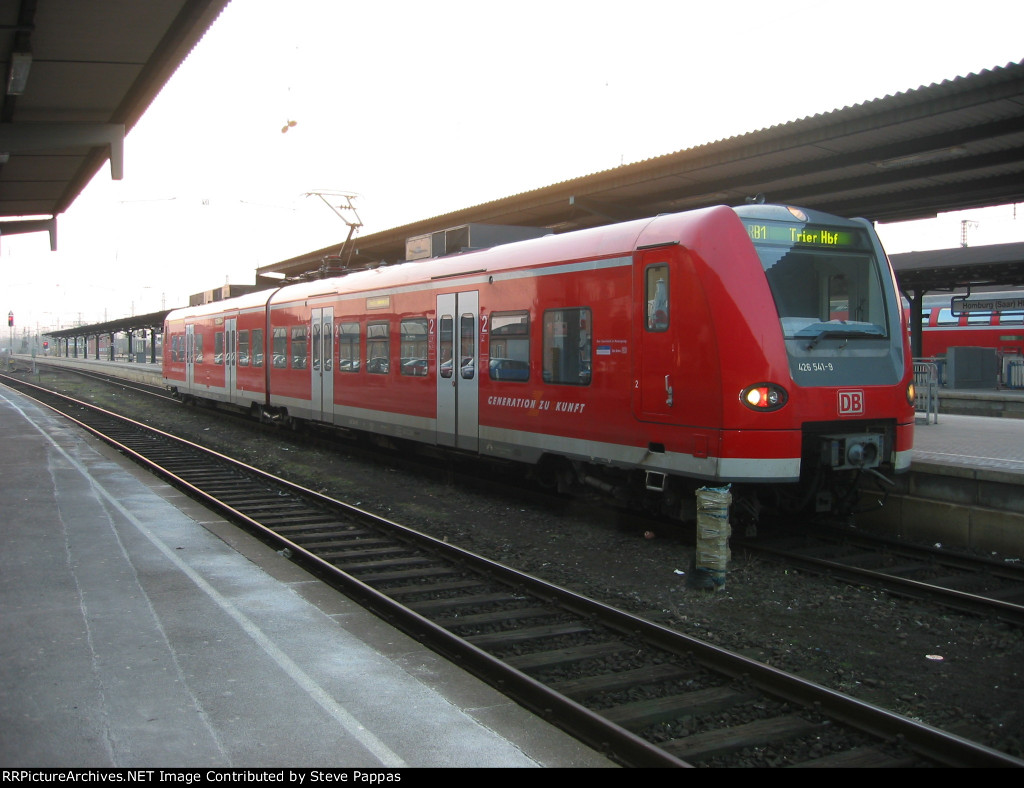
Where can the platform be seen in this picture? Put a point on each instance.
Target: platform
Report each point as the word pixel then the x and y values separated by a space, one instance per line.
pixel 139 630
pixel 972 441
pixel 965 487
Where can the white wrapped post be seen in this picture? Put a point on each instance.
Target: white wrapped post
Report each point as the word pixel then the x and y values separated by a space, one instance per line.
pixel 713 531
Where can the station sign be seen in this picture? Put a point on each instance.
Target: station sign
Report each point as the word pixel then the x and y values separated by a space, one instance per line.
pixel 966 304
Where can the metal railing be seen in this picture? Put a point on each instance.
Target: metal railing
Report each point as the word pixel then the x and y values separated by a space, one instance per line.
pixel 1013 375
pixel 926 390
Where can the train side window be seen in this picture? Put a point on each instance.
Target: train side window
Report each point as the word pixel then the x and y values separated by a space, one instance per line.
pixel 300 347
pixel 567 346
pixel 218 348
pixel 979 318
pixel 413 350
pixel 947 318
pixel 1011 318
pixel 317 346
pixel 445 345
pixel 378 348
pixel 656 290
pixel 510 346
pixel 348 347
pixel 243 348
pixel 257 347
pixel 198 343
pixel 467 344
pixel 280 348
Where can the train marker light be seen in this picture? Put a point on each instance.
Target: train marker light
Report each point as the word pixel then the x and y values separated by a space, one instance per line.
pixel 764 397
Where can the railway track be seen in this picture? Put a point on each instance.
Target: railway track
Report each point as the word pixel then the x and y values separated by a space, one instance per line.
pixel 641 693
pixel 970 584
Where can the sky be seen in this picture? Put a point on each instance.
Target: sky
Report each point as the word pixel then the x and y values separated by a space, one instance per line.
pixel 422 108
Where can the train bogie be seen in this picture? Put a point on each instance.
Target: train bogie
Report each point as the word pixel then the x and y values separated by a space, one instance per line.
pixel 743 346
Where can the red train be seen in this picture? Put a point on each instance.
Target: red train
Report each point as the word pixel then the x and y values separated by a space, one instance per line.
pixel 763 346
pixel 995 321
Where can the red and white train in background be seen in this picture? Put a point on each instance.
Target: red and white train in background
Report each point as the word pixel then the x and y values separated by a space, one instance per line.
pixel 761 346
pixel 945 324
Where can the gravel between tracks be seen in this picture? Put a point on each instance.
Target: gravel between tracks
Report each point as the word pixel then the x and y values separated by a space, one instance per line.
pixel 867 644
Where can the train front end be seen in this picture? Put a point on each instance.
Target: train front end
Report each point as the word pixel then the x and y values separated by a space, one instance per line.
pixel 850 387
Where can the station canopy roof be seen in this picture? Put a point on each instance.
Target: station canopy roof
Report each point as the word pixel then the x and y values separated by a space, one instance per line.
pixel 995 265
pixel 947 146
pixel 152 321
pixel 78 75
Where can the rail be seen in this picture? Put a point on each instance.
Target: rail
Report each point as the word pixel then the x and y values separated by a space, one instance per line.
pixel 926 390
pixel 527 637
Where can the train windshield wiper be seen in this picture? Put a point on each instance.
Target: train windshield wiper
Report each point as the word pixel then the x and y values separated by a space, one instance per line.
pixel 839 330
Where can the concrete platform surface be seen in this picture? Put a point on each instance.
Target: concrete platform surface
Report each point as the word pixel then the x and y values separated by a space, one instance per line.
pixel 138 630
pixel 972 442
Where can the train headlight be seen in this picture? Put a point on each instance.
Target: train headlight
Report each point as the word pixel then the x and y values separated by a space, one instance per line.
pixel 764 397
pixel 911 394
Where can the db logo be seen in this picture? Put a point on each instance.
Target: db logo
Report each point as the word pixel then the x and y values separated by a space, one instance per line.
pixel 851 402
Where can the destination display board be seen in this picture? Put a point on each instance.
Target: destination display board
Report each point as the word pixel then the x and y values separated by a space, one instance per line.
pixel 806 235
pixel 961 304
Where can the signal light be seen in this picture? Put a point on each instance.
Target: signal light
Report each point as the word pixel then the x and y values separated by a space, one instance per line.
pixel 10 319
pixel 764 397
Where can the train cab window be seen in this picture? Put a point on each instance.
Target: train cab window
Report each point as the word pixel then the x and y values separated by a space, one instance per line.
pixel 348 347
pixel 567 346
pixel 826 282
pixel 218 348
pixel 300 347
pixel 656 288
pixel 243 348
pixel 256 356
pixel 510 346
pixel 378 348
pixel 413 346
pixel 280 349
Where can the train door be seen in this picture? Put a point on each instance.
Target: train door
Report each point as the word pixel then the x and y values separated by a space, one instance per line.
pixel 190 355
pixel 458 373
pixel 230 353
pixel 655 379
pixel 322 351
